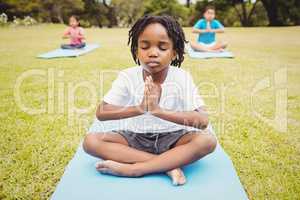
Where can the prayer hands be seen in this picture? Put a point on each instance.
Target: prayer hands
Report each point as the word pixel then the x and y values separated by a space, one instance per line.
pixel 152 94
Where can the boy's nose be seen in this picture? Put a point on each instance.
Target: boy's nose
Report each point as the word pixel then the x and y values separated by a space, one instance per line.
pixel 153 52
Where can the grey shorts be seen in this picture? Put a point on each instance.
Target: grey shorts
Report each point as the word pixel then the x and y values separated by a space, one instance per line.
pixel 155 143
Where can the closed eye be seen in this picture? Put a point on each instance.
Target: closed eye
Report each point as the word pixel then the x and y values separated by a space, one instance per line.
pixel 144 44
pixel 164 45
pixel 144 47
pixel 163 48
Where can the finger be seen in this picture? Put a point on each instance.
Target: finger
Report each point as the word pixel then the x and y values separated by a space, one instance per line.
pixel 151 82
pixel 146 83
pixel 146 100
pixel 151 79
pixel 148 78
pixel 150 86
pixel 147 91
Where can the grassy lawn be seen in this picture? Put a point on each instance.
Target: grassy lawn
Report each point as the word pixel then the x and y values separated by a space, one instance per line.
pixel 35 148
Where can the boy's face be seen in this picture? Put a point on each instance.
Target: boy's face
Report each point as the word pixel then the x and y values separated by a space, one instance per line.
pixel 155 48
pixel 209 14
pixel 73 22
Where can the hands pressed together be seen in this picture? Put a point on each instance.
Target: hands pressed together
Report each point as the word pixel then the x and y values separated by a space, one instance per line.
pixel 208 28
pixel 152 94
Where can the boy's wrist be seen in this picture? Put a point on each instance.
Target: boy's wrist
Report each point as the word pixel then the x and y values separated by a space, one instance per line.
pixel 156 112
pixel 141 110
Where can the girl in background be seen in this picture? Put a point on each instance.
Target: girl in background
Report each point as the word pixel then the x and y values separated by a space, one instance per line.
pixel 75 33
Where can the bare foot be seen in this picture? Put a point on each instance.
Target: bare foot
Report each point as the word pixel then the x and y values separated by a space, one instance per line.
pixel 121 169
pixel 177 176
pixel 115 168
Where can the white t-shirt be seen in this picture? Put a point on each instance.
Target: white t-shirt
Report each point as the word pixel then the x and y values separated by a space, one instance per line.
pixel 179 93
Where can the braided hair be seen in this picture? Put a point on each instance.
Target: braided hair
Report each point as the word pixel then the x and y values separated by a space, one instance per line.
pixel 173 29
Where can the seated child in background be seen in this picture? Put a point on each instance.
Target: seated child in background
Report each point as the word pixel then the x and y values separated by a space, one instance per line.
pixel 163 105
pixel 207 29
pixel 75 33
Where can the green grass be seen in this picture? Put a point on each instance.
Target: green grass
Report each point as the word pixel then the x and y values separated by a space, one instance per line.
pixel 34 149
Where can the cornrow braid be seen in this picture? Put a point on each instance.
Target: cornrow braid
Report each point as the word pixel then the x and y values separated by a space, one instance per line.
pixel 173 29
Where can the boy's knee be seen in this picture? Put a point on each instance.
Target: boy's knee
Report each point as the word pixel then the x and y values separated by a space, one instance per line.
pixel 206 143
pixel 90 142
pixel 211 143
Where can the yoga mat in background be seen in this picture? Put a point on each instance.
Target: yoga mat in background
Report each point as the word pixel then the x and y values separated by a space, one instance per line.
pixel 57 53
pixel 203 55
pixel 211 178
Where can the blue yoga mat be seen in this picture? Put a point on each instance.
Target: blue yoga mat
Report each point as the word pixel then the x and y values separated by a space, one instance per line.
pixel 57 53
pixel 200 54
pixel 211 178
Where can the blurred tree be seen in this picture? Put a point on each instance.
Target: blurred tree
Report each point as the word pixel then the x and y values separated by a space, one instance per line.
pixel 111 13
pixel 282 12
pixel 20 8
pixel 168 7
pixel 128 11
pixel 43 10
pixel 244 9
pixel 188 3
pixel 60 10
pixel 123 13
pixel 94 13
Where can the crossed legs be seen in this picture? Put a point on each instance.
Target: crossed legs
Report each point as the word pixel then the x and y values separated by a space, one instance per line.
pixel 217 47
pixel 122 160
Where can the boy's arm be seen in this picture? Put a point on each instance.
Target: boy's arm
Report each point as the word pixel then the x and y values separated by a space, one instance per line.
pixel 197 118
pixel 219 30
pixel 198 30
pixel 218 27
pixel 107 111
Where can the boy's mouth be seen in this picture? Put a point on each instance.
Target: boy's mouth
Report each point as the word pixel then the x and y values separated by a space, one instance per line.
pixel 152 64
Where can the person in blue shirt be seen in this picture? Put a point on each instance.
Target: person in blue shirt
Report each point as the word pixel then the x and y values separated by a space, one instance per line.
pixel 206 28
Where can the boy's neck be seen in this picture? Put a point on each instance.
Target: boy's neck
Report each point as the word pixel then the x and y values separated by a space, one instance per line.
pixel 158 77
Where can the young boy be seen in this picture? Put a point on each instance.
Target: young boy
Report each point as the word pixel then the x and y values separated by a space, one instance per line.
pixel 160 100
pixel 207 29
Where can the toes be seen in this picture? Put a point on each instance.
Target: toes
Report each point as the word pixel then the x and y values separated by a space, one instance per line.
pixel 175 183
pixel 107 171
pixel 103 164
pixel 100 164
pixel 103 170
pixel 179 179
pixel 182 180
